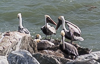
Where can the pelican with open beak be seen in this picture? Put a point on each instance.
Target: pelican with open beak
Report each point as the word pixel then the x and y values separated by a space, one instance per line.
pixel 47 29
pixel 74 33
pixel 21 29
pixel 67 47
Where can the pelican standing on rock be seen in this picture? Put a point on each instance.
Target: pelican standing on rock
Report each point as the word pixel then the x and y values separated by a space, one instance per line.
pixel 74 33
pixel 42 44
pixel 47 29
pixel 67 47
pixel 21 29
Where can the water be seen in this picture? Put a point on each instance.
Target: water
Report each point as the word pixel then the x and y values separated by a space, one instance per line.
pixel 78 12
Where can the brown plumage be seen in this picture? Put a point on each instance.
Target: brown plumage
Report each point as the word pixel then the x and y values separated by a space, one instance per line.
pixel 67 47
pixel 47 29
pixel 43 44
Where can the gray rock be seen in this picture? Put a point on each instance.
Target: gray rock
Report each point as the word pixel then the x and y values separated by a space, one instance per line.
pixel 3 60
pixel 28 44
pixel 49 59
pixel 84 62
pixel 9 40
pixel 21 57
pixel 92 58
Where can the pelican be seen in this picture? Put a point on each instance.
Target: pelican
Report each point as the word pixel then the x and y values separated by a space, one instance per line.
pixel 42 44
pixel 74 33
pixel 21 29
pixel 67 47
pixel 47 29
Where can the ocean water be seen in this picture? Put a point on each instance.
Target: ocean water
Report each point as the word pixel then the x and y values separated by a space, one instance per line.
pixel 83 13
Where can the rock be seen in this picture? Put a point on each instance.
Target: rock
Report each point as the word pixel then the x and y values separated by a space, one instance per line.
pixel 21 57
pixel 3 60
pixel 14 41
pixel 52 53
pixel 48 59
pixel 9 40
pixel 82 50
pixel 92 58
pixel 28 44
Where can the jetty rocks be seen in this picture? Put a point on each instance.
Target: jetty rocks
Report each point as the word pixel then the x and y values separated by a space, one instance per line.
pixel 20 48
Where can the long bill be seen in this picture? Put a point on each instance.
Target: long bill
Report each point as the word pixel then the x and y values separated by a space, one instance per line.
pixel 59 23
pixel 48 19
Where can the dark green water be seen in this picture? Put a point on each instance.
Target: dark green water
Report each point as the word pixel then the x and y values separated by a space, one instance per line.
pixel 80 12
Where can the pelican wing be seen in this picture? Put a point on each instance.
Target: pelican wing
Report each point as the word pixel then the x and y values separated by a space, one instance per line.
pixel 26 31
pixel 23 30
pixel 75 28
pixel 77 35
pixel 44 44
pixel 71 31
pixel 71 49
pixel 52 29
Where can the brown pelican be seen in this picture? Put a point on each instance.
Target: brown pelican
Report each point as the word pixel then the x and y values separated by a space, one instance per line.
pixel 47 29
pixel 42 44
pixel 21 29
pixel 67 47
pixel 74 33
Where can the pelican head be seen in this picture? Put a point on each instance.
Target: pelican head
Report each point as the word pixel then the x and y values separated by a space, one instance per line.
pixel 61 20
pixel 62 33
pixel 19 15
pixel 48 19
pixel 38 36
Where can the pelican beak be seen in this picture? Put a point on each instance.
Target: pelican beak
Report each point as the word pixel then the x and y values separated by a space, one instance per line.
pixel 59 23
pixel 48 19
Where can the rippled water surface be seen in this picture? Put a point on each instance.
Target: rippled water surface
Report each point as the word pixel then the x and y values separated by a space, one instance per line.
pixel 83 13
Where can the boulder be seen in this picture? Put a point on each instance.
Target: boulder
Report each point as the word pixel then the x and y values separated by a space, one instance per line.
pixel 9 40
pixel 21 57
pixel 28 44
pixel 92 58
pixel 49 59
pixel 3 60
pixel 18 45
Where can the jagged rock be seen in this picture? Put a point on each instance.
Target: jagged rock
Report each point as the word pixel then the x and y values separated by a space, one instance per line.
pixel 3 60
pixel 21 57
pixel 48 59
pixel 28 44
pixel 92 58
pixel 14 41
pixel 9 40
pixel 57 53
